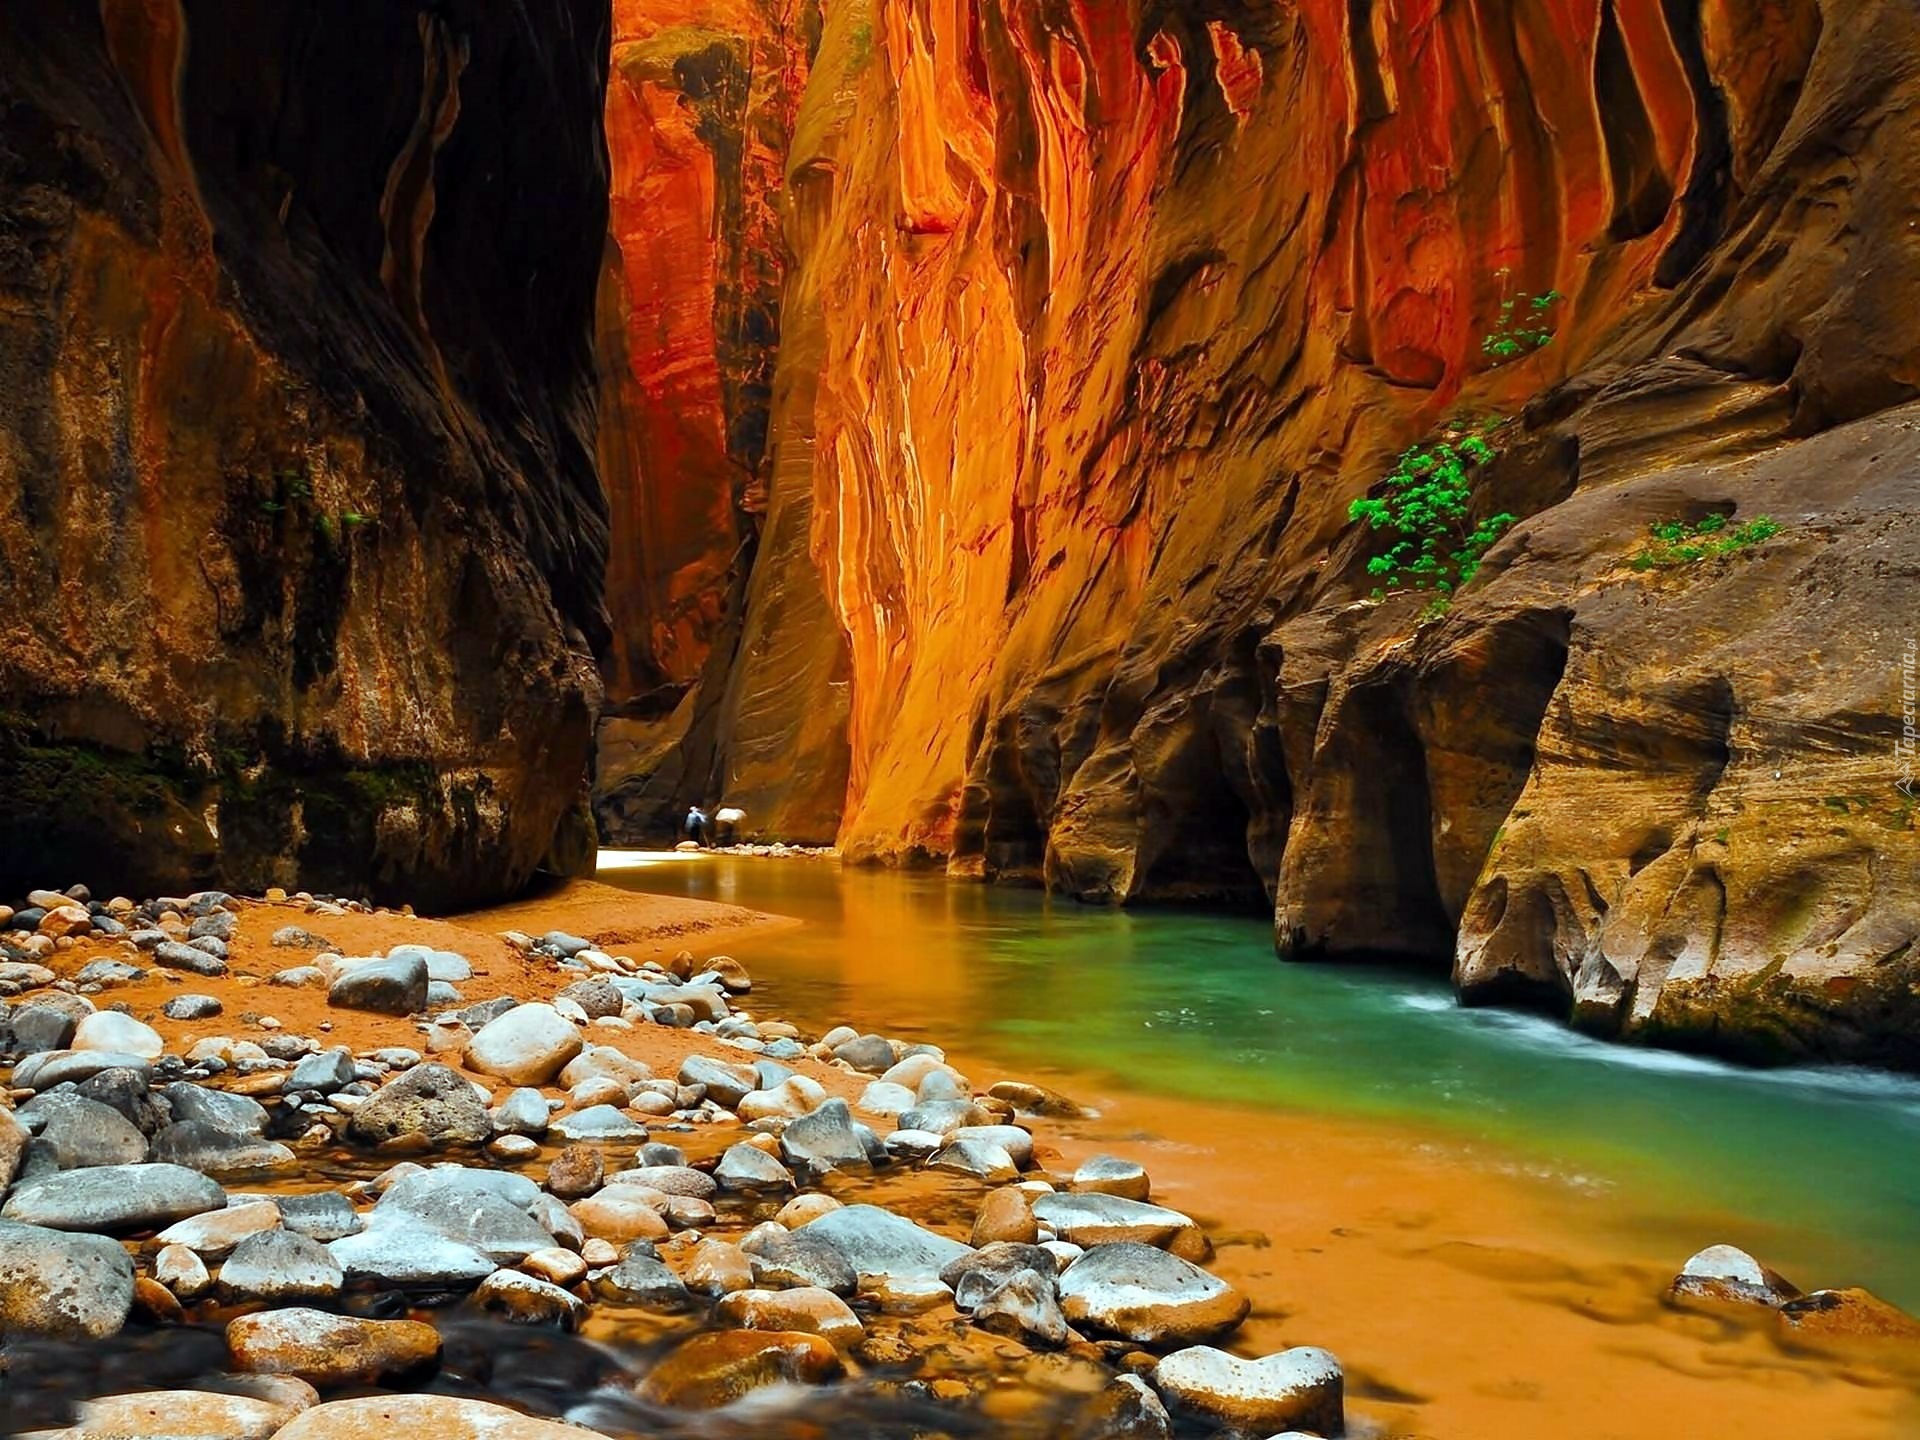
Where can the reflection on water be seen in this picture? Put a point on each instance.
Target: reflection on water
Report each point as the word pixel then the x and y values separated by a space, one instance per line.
pixel 1819 1170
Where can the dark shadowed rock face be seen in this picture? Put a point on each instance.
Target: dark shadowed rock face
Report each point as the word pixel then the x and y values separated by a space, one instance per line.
pixel 301 544
pixel 1056 579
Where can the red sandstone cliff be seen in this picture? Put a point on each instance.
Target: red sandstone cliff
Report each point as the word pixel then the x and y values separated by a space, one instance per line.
pixel 1100 315
pixel 301 544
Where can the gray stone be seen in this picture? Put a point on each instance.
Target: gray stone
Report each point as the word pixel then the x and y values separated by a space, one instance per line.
pixel 728 1084
pixel 1110 1175
pixel 217 924
pixel 1026 1307
pixel 78 1132
pixel 108 973
pixel 521 1299
pixel 323 1215
pixel 746 1167
pixel 641 1279
pixel 1096 1219
pixel 223 1110
pixel 39 1027
pixel 978 1159
pixel 279 1265
pixel 596 997
pixel 403 1251
pixel 327 1071
pixel 979 1273
pixel 871 1053
pixel 880 1245
pixel 127 1091
pixel 60 1067
pixel 824 1140
pixel 207 1147
pixel 563 944
pixel 172 955
pixel 69 1287
pixel 292 937
pixel 528 1045
pixel 669 1180
pixel 452 1203
pixel 299 977
pixel 523 1112
pixel 114 1199
pixel 600 1124
pixel 784 1260
pixel 191 1007
pixel 945 1117
pixel 388 987
pixel 429 1100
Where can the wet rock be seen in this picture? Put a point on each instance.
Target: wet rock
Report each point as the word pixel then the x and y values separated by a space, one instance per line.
pixel 600 1124
pixel 279 1265
pixel 977 1159
pixel 884 1249
pixel 642 1279
pixel 236 1114
pixel 728 1084
pixel 77 1132
pixel 576 1172
pixel 1006 1215
pixel 558 1264
pixel 387 987
pixel 216 924
pixel 202 1414
pixel 621 1213
pixel 717 1267
pixel 299 977
pixel 721 1367
pixel 182 1271
pixel 1025 1307
pixel 871 1053
pixel 523 1299
pixel 110 1030
pixel 604 1062
pixel 446 966
pixel 72 1287
pixel 128 1092
pixel 331 1350
pixel 53 1068
pixel 670 1180
pixel 1142 1293
pixel 979 1273
pixel 442 1417
pixel 528 1045
pixel 944 1117
pixel 803 1209
pixel 323 1215
pixel 431 1101
pixel 402 1251
pixel 1296 1389
pixel 172 955
pixel 466 1206
pixel 601 1090
pixel 1128 1409
pixel 1110 1175
pixel 805 1308
pixel 824 1140
pixel 513 1149
pixel 13 1147
pixel 215 1151
pixel 890 1101
pixel 38 1027
pixel 1730 1275
pixel 746 1167
pixel 1096 1219
pixel 784 1259
pixel 191 1007
pixel 325 1071
pixel 1851 1314
pixel 213 1235
pixel 114 1199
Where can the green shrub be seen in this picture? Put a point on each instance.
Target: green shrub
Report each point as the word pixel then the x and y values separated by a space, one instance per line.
pixel 1679 542
pixel 1428 503
pixel 1522 327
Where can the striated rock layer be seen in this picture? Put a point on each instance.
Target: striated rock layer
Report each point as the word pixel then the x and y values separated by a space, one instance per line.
pixel 1100 315
pixel 301 544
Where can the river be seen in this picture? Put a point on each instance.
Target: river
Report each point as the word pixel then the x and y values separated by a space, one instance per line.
pixel 1504 1166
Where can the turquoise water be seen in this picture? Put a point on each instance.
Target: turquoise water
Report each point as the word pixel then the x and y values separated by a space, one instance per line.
pixel 1816 1170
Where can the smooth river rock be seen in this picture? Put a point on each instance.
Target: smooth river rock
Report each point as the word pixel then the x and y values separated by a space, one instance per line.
pixel 441 1417
pixel 393 986
pixel 431 1101
pixel 1296 1389
pixel 72 1287
pixel 1142 1293
pixel 114 1199
pixel 329 1349
pixel 528 1045
pixel 1097 1219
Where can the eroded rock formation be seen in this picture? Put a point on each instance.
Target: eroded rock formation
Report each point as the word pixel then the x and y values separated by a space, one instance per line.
pixel 1099 317
pixel 301 538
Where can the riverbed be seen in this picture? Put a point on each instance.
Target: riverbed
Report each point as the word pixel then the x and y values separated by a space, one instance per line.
pixel 1476 1209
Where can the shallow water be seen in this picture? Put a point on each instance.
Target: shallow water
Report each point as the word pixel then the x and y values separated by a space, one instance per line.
pixel 1818 1171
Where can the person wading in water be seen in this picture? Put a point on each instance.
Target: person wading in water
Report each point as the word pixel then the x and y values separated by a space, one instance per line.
pixel 696 825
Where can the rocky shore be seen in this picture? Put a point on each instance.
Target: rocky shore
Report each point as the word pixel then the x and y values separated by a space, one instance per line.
pixel 264 1177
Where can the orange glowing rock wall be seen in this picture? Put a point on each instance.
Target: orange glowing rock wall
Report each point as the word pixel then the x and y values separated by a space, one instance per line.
pixel 700 102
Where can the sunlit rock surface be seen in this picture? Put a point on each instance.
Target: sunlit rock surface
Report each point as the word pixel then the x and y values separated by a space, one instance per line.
pixel 301 538
pixel 1099 317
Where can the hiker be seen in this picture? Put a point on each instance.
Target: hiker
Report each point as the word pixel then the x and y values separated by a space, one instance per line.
pixel 696 825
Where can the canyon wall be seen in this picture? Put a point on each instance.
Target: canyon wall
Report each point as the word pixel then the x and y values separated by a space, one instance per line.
pixel 301 540
pixel 1100 314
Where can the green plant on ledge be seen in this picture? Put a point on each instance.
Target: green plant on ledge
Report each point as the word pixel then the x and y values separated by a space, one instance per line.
pixel 1428 503
pixel 1522 327
pixel 1678 542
